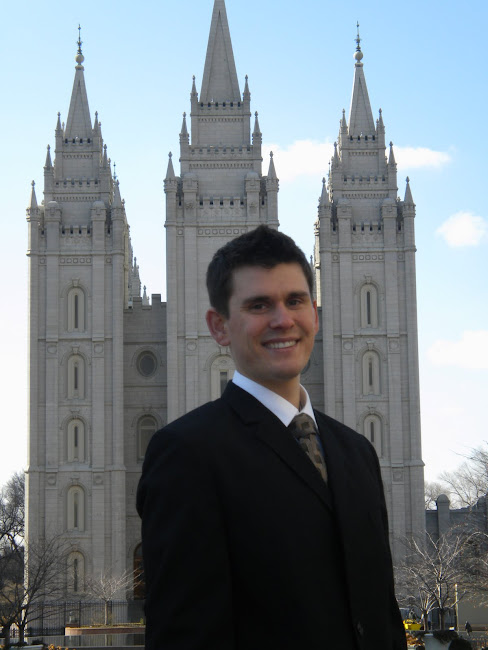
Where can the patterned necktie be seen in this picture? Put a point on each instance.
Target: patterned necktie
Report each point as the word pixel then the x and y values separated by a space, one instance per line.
pixel 303 429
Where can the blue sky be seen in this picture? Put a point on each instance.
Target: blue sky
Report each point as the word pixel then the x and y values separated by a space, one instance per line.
pixel 425 68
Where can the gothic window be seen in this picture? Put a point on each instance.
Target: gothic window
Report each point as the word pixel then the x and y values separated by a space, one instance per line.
pixel 76 310
pixel 139 581
pixel 76 508
pixel 372 431
pixel 371 373
pixel 76 442
pixel 146 427
pixel 76 573
pixel 369 306
pixel 76 377
pixel 221 373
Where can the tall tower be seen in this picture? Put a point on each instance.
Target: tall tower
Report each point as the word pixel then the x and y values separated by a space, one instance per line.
pixel 219 194
pixel 366 285
pixel 80 270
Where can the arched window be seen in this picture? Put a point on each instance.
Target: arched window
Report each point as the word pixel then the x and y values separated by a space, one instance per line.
pixel 76 508
pixel 76 573
pixel 371 373
pixel 139 581
pixel 146 428
pixel 75 442
pixel 76 377
pixel 76 310
pixel 369 306
pixel 221 372
pixel 373 432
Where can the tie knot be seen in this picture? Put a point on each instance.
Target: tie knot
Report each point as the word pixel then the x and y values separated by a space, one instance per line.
pixel 302 426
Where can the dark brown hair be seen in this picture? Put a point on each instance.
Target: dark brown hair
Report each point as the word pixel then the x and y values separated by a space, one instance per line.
pixel 263 247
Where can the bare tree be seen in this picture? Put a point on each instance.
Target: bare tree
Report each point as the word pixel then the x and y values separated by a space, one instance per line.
pixel 107 588
pixel 432 490
pixel 469 482
pixel 11 551
pixel 21 590
pixel 437 573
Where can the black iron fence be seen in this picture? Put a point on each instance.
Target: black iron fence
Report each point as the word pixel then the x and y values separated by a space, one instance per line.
pixel 52 618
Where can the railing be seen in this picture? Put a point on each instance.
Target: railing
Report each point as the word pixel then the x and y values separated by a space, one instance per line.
pixel 52 618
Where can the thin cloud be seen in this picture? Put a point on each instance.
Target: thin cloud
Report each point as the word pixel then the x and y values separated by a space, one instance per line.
pixel 463 229
pixel 416 157
pixel 469 352
pixel 301 158
pixel 311 158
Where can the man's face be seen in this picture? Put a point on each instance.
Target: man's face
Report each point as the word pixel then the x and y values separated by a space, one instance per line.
pixel 271 325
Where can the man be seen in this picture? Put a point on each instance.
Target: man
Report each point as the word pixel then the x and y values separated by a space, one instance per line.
pixel 258 535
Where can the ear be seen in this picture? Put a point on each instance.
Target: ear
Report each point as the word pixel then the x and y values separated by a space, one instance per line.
pixel 217 326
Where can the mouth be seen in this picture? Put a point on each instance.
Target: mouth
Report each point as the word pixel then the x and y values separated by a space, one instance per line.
pixel 279 345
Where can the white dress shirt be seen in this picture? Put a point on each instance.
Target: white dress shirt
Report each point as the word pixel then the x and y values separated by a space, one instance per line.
pixel 279 406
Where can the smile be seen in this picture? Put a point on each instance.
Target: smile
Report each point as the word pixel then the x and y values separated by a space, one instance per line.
pixel 280 344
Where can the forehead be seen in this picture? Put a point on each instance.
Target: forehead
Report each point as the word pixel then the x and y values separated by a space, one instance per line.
pixel 258 280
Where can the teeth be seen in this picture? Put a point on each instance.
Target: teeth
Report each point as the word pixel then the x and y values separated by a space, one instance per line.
pixel 282 344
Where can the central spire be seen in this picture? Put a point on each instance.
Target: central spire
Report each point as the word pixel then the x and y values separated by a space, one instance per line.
pixel 220 82
pixel 79 123
pixel 360 115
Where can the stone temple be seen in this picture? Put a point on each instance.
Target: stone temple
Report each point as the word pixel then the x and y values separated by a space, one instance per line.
pixel 108 367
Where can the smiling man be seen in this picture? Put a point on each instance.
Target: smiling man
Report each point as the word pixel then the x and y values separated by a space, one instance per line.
pixel 263 521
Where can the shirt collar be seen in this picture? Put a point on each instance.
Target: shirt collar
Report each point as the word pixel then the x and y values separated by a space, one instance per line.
pixel 279 406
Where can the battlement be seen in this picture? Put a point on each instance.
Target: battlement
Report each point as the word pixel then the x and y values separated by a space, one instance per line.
pixel 77 182
pixel 84 230
pixel 361 180
pixel 219 107
pixel 232 151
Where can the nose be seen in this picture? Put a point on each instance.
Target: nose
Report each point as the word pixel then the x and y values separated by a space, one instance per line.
pixel 281 317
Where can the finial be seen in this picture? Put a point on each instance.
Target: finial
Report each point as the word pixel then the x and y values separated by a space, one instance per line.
pixel 33 183
pixel 184 114
pixel 408 180
pixel 256 114
pixel 270 154
pixel 391 143
pixel 247 77
pixel 79 55
pixel 115 173
pixel 170 154
pixel 358 55
pixel 323 180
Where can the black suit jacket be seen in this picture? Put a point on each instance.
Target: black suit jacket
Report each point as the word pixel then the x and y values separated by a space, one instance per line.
pixel 246 548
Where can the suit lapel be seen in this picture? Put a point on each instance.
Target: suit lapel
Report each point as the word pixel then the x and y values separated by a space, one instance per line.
pixel 264 425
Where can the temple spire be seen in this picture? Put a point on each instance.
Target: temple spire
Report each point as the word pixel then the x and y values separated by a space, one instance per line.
pixel 170 172
pixel 79 122
pixel 408 200
pixel 360 115
pixel 33 198
pixel 220 83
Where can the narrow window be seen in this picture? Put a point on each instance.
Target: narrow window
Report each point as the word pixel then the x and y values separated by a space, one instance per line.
pixel 146 428
pixel 75 575
pixel 75 442
pixel 371 431
pixel 368 307
pixel 75 376
pixel 76 506
pixel 370 373
pixel 76 310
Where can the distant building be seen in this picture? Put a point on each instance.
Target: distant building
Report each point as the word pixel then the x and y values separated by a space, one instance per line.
pixel 108 367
